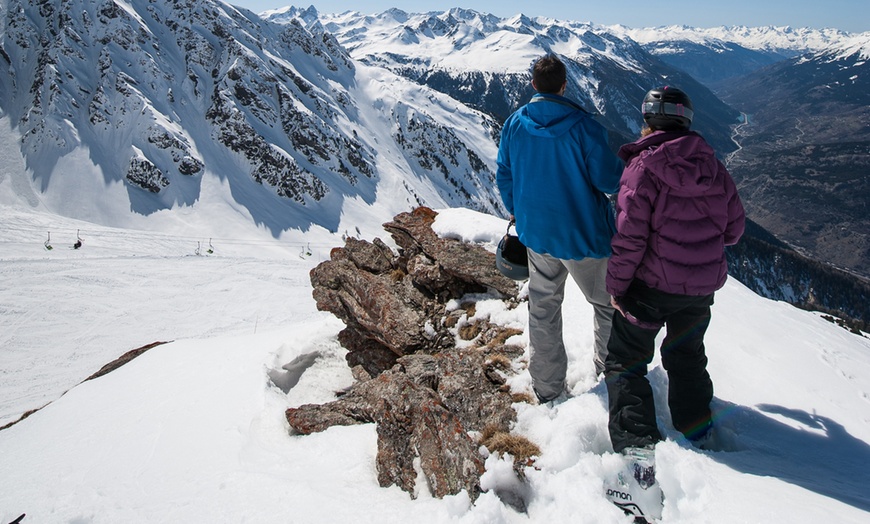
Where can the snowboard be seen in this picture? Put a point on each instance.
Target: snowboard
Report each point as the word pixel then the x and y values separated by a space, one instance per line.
pixel 634 489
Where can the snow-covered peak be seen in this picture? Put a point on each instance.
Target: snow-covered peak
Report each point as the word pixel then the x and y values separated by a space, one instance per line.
pixel 858 45
pixel 849 54
pixel 484 61
pixel 783 40
pixel 464 39
pixel 290 12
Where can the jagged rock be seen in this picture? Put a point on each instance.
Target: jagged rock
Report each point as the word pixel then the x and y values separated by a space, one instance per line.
pixel 393 305
pixel 465 267
pixel 413 424
pixel 427 396
pixel 143 173
pixel 425 408
pixel 375 257
pixel 368 354
pixel 383 314
pixel 462 380
pixel 123 359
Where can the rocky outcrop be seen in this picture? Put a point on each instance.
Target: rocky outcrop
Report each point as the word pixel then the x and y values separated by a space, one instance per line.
pixel 424 408
pixel 430 378
pixel 393 305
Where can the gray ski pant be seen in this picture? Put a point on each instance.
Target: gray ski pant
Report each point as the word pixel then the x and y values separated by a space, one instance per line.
pixel 547 276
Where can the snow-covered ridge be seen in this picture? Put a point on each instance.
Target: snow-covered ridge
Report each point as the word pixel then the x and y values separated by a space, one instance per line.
pixel 777 39
pixel 785 40
pixel 857 45
pixel 462 39
pixel 484 61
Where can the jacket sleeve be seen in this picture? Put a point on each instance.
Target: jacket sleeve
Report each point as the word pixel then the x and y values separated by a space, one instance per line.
pixel 503 176
pixel 736 213
pixel 634 207
pixel 605 168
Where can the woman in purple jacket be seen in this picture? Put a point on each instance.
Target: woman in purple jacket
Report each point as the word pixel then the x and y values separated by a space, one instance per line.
pixel 677 209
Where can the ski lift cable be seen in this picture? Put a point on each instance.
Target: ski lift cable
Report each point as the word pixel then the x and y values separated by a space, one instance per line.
pixel 138 235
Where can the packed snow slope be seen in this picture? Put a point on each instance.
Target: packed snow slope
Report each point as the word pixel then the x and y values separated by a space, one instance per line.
pixel 194 430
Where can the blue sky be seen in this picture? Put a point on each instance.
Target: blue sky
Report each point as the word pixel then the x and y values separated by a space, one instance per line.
pixel 848 15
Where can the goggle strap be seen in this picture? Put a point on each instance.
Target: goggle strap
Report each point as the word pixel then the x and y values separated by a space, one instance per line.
pixel 667 108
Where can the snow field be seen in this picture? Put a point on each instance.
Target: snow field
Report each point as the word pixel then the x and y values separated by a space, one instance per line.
pixel 194 430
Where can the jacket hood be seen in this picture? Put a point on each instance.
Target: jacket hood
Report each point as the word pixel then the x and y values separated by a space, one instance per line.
pixel 550 115
pixel 680 159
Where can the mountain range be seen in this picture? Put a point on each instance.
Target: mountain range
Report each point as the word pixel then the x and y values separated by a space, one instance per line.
pixel 806 187
pixel 484 62
pixel 291 118
pixel 722 54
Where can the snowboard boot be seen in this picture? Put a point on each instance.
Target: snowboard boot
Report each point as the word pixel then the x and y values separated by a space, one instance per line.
pixel 635 489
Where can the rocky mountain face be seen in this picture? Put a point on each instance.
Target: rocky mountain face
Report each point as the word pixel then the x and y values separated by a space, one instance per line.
pixel 159 92
pixel 484 62
pixel 806 152
pixel 774 270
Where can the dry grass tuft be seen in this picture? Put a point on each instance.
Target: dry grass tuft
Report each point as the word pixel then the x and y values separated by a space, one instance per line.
pixel 499 361
pixel 503 335
pixel 520 448
pixel 526 397
pixel 470 308
pixel 470 331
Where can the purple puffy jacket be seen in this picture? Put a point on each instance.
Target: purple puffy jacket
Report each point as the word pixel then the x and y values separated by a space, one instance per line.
pixel 676 211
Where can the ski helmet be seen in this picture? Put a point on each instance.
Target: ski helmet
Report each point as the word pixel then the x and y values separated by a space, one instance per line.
pixel 667 108
pixel 511 257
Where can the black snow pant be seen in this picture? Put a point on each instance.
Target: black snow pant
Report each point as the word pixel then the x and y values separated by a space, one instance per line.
pixel 630 350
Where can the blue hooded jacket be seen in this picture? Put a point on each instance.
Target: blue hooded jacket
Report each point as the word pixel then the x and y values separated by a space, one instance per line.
pixel 554 170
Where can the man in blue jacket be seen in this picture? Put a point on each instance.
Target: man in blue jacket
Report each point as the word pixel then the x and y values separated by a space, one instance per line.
pixel 554 170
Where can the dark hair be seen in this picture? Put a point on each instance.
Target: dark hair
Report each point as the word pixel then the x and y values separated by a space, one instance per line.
pixel 549 74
